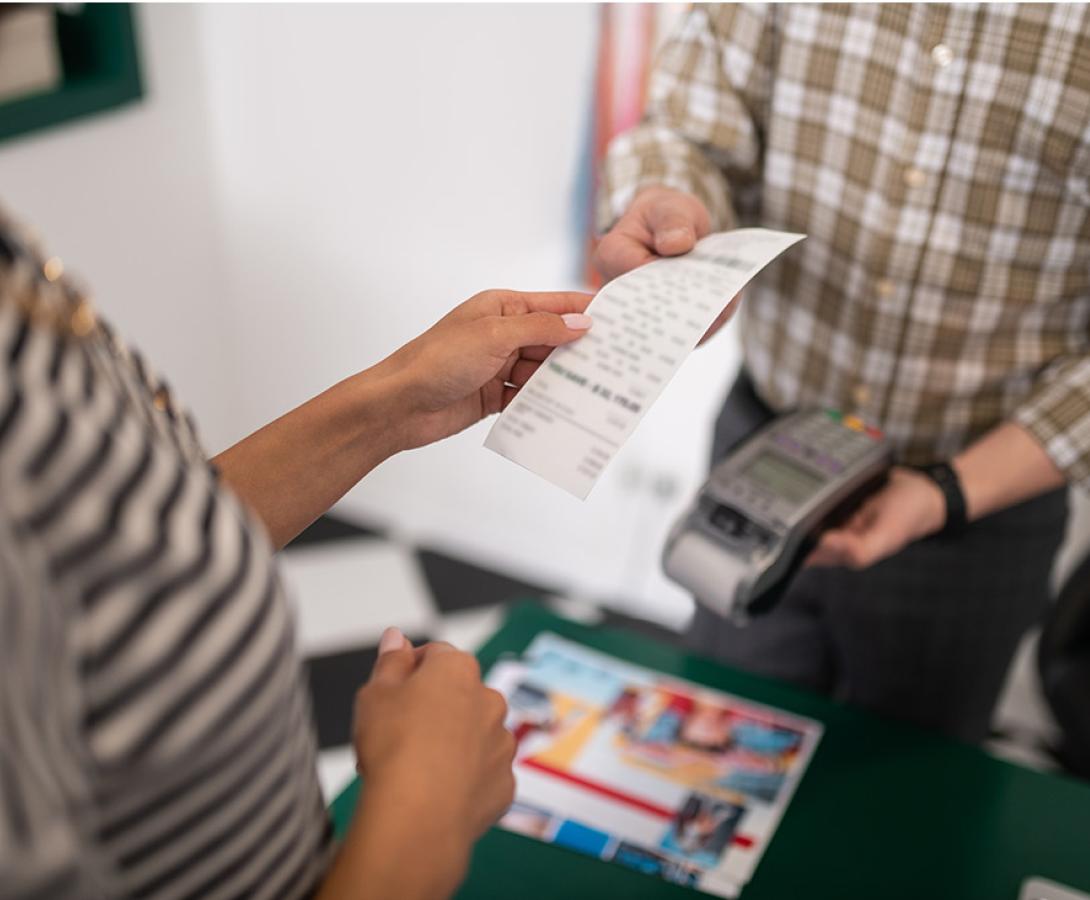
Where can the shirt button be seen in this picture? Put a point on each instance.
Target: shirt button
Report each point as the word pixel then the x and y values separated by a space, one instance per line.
pixel 914 177
pixel 941 55
pixel 885 288
pixel 860 396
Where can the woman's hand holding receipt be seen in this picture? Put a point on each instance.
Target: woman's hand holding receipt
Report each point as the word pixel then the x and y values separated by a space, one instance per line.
pixel 471 363
pixel 468 365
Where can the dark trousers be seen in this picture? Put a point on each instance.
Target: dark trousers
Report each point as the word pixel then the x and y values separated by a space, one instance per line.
pixel 925 636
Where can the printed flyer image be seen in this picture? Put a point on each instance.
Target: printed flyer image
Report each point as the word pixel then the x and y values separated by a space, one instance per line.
pixel 647 771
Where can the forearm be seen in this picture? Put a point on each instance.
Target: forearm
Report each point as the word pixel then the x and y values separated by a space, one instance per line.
pixel 1003 468
pixel 295 468
pixel 398 846
pixel 454 374
pixel 1006 466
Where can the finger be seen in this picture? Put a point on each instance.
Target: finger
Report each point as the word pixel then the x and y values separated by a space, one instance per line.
pixel 814 559
pixel 822 556
pixel 504 374
pixel 509 333
pixel 859 520
pixel 882 539
pixel 521 372
pixel 507 787
pixel 394 666
pixel 725 316
pixel 558 302
pixel 835 548
pixel 859 550
pixel 619 252
pixel 496 706
pixel 508 395
pixel 537 354
pixel 720 321
pixel 392 639
pixel 675 224
pixel 437 648
pixel 452 661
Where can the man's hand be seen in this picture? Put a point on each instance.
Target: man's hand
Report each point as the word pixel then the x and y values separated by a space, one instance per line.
pixel 660 222
pixel 1005 467
pixel 908 508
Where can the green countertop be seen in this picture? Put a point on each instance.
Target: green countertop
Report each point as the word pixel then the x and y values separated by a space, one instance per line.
pixel 884 810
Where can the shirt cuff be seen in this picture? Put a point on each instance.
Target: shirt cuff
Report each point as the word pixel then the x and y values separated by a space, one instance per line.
pixel 1057 415
pixel 652 155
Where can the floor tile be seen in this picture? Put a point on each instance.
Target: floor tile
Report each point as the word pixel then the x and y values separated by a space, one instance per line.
pixel 332 528
pixel 614 619
pixel 334 680
pixel 458 585
pixel 578 609
pixel 469 629
pixel 336 767
pixel 346 592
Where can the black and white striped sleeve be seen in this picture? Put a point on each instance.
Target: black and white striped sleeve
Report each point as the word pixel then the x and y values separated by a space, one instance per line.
pixel 42 853
pixel 156 738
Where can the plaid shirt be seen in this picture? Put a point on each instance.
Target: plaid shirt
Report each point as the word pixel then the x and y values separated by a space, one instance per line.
pixel 939 158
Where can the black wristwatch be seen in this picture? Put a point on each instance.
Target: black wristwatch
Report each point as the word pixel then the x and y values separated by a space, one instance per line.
pixel 946 478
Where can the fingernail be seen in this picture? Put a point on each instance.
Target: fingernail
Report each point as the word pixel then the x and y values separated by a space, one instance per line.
pixel 577 321
pixel 676 234
pixel 392 639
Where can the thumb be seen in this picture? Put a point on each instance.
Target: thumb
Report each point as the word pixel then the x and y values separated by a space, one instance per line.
pixel 673 225
pixel 396 659
pixel 536 329
pixel 834 548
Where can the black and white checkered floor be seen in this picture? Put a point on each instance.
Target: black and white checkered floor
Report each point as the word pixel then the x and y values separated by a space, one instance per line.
pixel 350 582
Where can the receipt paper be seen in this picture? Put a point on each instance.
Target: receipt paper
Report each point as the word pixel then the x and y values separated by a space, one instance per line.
pixel 577 410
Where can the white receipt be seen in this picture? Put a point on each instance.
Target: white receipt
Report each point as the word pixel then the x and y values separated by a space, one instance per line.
pixel 580 406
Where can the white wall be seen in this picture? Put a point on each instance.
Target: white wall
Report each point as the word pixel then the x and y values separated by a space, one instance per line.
pixel 127 199
pixel 380 164
pixel 304 188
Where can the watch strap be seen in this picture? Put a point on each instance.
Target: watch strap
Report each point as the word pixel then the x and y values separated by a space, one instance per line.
pixel 946 477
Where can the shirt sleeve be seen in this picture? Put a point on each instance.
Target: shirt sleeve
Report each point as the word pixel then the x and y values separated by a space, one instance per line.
pixel 42 852
pixel 1057 414
pixel 701 132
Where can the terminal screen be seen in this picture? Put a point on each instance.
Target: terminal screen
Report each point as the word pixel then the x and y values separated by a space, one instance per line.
pixel 784 477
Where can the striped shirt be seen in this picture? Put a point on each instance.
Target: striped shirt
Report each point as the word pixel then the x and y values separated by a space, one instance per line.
pixel 938 156
pixel 155 732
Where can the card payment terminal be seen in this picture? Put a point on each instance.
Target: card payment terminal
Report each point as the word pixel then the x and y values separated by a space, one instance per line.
pixel 757 517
